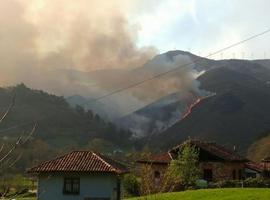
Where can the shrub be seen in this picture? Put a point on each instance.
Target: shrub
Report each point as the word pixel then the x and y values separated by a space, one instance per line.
pixel 255 182
pixel 250 182
pixel 131 185
pixel 227 184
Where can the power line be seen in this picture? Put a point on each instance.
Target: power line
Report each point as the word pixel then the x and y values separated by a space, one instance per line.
pixel 175 69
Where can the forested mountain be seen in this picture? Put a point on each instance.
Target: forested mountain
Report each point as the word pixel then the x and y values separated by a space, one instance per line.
pixel 59 126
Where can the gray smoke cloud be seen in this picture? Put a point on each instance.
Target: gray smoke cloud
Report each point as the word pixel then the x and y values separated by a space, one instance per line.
pixel 181 78
pixel 39 38
pixel 84 47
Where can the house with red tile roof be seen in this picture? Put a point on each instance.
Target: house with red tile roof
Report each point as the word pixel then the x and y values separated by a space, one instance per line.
pixel 216 162
pixel 79 175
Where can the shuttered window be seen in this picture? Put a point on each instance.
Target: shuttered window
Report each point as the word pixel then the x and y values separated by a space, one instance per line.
pixel 71 186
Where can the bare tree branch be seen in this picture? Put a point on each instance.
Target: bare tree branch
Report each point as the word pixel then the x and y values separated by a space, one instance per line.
pixel 11 150
pixel 20 125
pixel 2 118
pixel 30 134
pixel 18 143
pixel 15 161
pixel 2 147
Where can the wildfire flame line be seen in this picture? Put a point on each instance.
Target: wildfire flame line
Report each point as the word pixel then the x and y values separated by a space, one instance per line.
pixel 190 108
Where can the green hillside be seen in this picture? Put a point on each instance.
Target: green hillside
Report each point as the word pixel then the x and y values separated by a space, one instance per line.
pixel 214 194
pixel 60 127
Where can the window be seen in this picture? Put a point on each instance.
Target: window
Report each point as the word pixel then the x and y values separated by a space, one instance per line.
pixel 208 175
pixel 71 186
pixel 157 174
pixel 234 174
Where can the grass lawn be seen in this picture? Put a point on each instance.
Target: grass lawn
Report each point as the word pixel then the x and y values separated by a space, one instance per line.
pixel 214 194
pixel 20 198
pixel 25 198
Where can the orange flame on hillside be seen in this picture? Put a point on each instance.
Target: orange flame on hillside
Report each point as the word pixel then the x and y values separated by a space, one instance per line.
pixel 190 108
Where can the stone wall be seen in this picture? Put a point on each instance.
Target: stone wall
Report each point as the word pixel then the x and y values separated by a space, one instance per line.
pixel 161 168
pixel 223 170
pixel 220 170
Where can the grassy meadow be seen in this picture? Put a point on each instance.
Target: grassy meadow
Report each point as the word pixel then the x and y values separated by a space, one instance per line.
pixel 213 194
pixel 205 194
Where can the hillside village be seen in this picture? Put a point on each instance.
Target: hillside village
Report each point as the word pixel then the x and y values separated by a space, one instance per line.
pixel 85 174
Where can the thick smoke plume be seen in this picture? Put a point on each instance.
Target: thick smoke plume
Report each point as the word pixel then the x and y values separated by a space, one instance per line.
pixel 40 37
pixel 181 77
pixel 85 47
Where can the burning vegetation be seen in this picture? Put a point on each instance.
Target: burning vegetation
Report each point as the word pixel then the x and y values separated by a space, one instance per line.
pixel 195 103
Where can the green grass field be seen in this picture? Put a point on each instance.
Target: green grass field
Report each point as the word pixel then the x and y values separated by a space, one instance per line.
pixel 213 194
pixel 25 198
pixel 209 194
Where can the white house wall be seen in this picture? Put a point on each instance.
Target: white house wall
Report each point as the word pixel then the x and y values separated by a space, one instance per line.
pixel 50 187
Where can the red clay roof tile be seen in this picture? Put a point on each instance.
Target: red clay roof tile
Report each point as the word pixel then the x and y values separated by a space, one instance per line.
pixel 80 161
pixel 215 149
pixel 210 147
pixel 164 158
pixel 254 166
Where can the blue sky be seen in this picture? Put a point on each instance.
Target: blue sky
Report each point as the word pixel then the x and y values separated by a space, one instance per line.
pixel 204 26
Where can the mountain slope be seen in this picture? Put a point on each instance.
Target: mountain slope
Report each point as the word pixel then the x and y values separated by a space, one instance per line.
pixel 58 123
pixel 157 116
pixel 102 82
pixel 60 127
pixel 236 115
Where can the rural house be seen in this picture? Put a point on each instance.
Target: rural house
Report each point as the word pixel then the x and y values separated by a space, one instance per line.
pixel 215 162
pixel 79 175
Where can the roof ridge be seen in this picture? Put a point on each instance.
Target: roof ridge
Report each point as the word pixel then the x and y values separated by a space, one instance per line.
pixel 92 162
pixel 102 160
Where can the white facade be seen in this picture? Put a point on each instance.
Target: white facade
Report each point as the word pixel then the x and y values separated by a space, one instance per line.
pixel 101 186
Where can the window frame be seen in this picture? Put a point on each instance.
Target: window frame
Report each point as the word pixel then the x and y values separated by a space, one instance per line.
pixel 73 181
pixel 157 174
